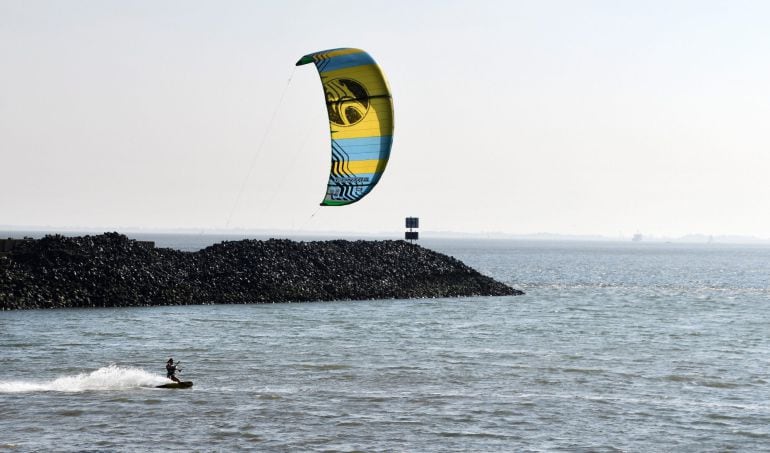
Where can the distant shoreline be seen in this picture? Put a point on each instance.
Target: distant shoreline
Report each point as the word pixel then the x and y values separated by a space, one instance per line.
pixel 719 239
pixel 111 270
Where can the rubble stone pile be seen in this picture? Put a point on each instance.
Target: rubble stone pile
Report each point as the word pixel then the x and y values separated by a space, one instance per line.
pixel 110 270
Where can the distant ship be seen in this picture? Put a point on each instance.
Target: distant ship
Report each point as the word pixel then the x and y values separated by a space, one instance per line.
pixel 637 237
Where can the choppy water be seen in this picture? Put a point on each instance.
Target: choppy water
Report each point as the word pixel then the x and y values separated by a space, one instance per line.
pixel 615 347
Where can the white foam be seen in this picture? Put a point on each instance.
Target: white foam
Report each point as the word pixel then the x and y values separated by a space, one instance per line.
pixel 107 378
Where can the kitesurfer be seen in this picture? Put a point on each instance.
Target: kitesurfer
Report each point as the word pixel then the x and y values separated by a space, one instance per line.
pixel 171 370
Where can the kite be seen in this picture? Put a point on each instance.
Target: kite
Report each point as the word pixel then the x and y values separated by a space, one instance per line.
pixel 360 110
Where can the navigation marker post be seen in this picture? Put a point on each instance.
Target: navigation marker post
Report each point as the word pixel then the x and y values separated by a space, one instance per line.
pixel 412 223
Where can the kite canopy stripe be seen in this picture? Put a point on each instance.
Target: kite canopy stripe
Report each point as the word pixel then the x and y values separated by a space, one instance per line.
pixel 360 110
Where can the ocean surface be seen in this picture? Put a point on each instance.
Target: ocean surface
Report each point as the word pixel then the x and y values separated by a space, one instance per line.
pixel 615 347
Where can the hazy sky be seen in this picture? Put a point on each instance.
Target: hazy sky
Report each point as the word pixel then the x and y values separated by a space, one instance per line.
pixel 576 117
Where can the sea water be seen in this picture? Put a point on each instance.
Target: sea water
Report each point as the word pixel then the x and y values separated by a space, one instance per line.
pixel 615 347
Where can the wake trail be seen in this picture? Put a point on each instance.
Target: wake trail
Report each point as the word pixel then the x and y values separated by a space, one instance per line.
pixel 111 377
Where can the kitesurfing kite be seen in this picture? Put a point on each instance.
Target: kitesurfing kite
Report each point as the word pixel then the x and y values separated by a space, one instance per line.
pixel 360 110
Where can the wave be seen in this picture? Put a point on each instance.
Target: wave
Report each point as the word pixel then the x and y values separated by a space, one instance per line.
pixel 111 377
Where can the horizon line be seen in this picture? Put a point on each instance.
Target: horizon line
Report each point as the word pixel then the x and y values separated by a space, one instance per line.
pixel 689 237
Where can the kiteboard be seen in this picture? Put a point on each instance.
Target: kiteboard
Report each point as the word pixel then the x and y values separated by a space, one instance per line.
pixel 176 385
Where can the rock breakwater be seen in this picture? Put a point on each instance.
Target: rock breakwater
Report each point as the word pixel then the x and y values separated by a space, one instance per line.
pixel 110 270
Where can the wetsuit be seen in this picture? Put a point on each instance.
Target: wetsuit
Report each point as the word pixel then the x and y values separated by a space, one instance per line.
pixel 170 371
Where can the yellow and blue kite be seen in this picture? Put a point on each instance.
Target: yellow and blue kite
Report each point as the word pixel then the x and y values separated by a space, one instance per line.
pixel 360 110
